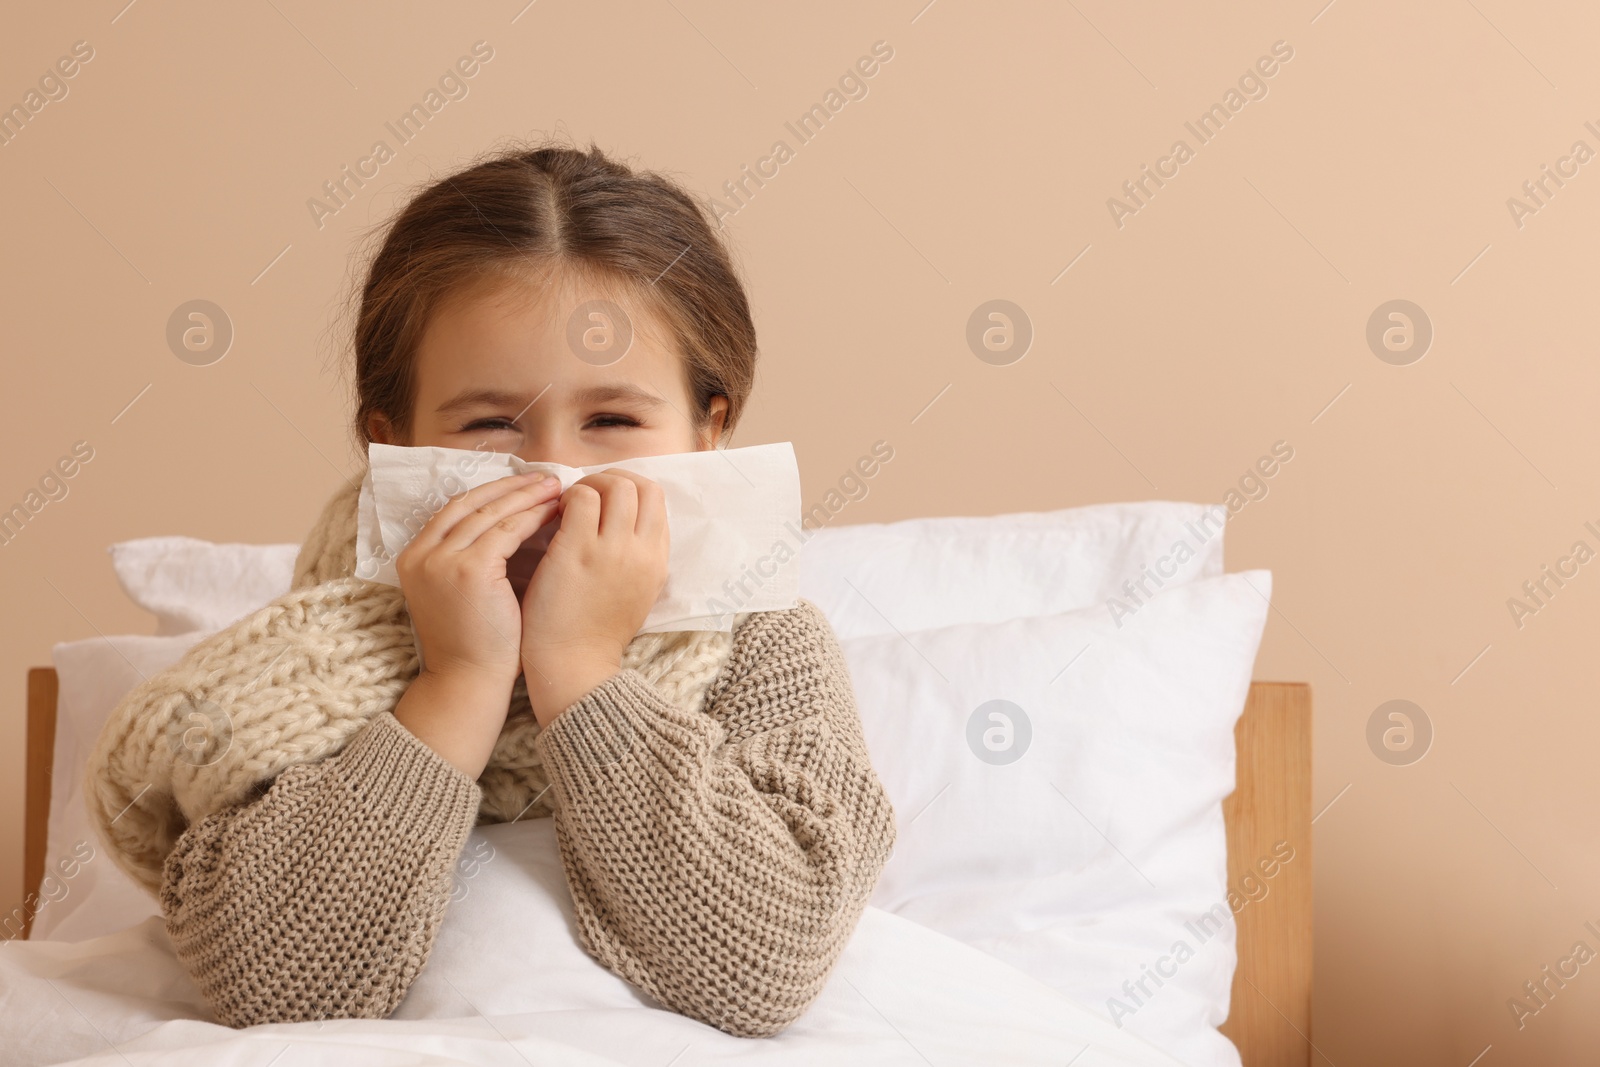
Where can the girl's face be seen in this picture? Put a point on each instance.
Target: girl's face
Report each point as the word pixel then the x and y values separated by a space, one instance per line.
pixel 495 371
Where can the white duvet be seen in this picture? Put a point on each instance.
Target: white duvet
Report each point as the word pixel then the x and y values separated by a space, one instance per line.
pixel 508 983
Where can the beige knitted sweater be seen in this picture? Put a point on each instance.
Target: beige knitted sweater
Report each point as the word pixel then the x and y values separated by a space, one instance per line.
pixel 717 814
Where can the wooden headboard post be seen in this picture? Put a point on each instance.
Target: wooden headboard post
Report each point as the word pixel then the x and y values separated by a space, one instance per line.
pixel 1269 861
pixel 1269 877
pixel 41 757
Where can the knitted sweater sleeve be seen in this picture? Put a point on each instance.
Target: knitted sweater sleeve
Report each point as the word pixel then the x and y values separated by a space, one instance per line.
pixel 719 860
pixel 320 897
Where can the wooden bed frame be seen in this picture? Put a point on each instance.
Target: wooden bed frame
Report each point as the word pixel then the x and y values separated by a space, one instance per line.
pixel 1268 814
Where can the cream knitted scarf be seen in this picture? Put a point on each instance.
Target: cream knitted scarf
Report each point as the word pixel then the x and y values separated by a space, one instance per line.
pixel 291 683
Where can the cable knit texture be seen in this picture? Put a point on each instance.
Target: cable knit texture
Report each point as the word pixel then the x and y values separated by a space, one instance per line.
pixel 717 814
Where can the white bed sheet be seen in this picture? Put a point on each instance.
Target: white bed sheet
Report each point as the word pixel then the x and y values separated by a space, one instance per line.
pixel 508 983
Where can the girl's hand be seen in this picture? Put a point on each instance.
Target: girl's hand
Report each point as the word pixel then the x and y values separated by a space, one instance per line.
pixel 453 574
pixel 591 592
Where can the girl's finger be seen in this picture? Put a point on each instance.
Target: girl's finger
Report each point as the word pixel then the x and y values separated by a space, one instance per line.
pixel 465 504
pixel 650 513
pixel 580 511
pixel 619 512
pixel 652 522
pixel 619 492
pixel 472 525
pixel 507 534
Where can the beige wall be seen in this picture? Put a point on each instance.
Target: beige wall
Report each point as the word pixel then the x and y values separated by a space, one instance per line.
pixel 1226 314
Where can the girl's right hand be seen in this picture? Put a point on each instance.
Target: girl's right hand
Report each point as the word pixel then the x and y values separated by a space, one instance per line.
pixel 467 617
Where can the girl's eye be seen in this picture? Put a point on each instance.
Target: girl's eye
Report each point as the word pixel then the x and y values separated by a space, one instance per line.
pixel 506 424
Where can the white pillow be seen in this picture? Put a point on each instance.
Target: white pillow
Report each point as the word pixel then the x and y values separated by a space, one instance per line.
pixel 989 568
pixel 1077 830
pixel 192 584
pixel 868 578
pixel 917 574
pixel 84 894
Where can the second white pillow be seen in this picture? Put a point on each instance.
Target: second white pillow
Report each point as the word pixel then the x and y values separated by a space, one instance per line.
pixel 1058 785
pixel 918 574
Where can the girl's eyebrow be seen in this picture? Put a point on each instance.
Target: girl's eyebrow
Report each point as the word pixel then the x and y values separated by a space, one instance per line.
pixel 599 394
pixel 592 394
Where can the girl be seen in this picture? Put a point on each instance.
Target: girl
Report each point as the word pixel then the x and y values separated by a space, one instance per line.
pixel 297 789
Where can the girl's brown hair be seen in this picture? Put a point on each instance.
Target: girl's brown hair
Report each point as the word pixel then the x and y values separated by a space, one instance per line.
pixel 531 212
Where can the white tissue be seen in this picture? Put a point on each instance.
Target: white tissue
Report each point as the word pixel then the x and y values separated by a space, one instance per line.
pixel 732 514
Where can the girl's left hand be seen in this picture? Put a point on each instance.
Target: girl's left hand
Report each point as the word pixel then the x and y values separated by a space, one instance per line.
pixel 595 585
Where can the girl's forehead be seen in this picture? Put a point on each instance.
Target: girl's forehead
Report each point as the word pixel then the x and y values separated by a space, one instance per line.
pixel 572 337
pixel 566 306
